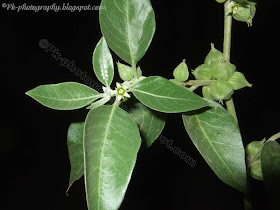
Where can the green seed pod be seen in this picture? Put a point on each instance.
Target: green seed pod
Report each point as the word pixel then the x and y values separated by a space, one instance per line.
pixel 254 147
pixel 203 72
pixel 231 69
pixel 256 171
pixel 239 81
pixel 139 71
pixel 125 72
pixel 206 92
pixel 243 11
pixel 221 90
pixel 221 1
pixel 222 70
pixel 213 55
pixel 181 72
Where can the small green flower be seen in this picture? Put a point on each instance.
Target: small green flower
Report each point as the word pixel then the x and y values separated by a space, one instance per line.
pixel 121 92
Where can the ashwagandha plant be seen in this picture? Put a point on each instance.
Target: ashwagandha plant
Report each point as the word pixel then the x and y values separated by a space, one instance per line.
pixel 104 148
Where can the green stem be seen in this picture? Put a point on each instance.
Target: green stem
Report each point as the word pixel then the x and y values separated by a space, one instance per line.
pixel 198 82
pixel 227 45
pixel 231 109
pixel 227 33
pixel 134 68
pixel 274 137
pixel 230 103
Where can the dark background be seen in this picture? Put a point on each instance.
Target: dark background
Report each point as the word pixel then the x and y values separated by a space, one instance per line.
pixel 34 158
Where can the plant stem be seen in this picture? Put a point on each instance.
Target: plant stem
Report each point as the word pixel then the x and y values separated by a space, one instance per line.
pixel 198 82
pixel 227 33
pixel 227 45
pixel 230 103
pixel 231 109
pixel 274 137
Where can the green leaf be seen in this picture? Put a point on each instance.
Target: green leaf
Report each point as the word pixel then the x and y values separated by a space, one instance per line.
pixel 111 143
pixel 217 138
pixel 149 122
pixel 270 161
pixel 75 150
pixel 163 95
pixel 128 26
pixel 103 63
pixel 64 96
pixel 99 103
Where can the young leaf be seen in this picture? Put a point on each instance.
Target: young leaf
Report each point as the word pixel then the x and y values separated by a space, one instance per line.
pixel 149 122
pixel 75 150
pixel 128 26
pixel 64 96
pixel 270 161
pixel 99 103
pixel 163 95
pixel 111 143
pixel 103 63
pixel 217 138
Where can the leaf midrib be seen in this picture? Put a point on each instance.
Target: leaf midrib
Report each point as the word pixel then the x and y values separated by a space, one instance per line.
pixel 102 151
pixel 64 99
pixel 215 150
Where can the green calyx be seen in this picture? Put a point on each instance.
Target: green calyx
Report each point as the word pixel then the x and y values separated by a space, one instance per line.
pixel 213 55
pixel 254 147
pixel 222 70
pixel 239 81
pixel 125 72
pixel 221 90
pixel 206 92
pixel 243 11
pixel 256 171
pixel 203 72
pixel 181 72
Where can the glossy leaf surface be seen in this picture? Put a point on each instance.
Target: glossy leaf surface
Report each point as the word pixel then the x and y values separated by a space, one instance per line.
pixel 64 96
pixel 163 95
pixel 111 143
pixel 128 26
pixel 217 138
pixel 149 122
pixel 75 150
pixel 103 63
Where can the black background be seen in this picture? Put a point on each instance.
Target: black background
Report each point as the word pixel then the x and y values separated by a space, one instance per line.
pixel 34 158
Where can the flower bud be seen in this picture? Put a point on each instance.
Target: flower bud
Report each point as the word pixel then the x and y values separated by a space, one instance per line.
pixel 206 92
pixel 242 11
pixel 181 72
pixel 254 147
pixel 256 171
pixel 222 70
pixel 239 81
pixel 125 72
pixel 213 55
pixel 203 72
pixel 221 90
pixel 139 71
